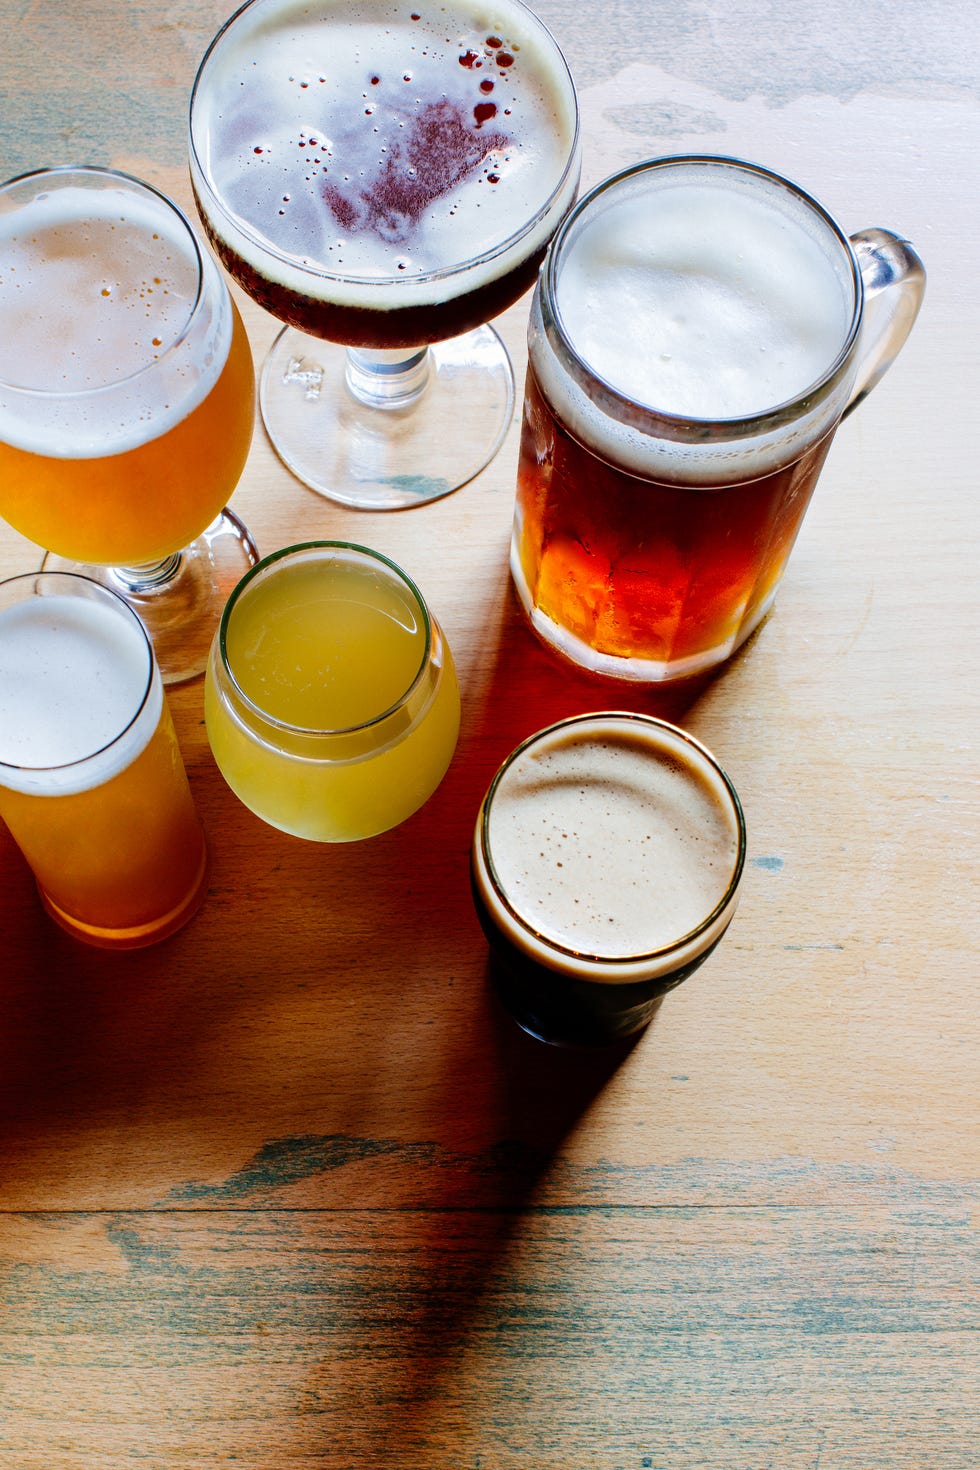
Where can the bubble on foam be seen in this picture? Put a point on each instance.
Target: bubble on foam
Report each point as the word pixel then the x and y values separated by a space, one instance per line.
pixel 98 352
pixel 73 676
pixel 417 166
pixel 701 296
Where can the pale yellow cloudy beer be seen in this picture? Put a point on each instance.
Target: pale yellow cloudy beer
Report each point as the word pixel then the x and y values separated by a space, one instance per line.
pixel 331 697
pixel 92 785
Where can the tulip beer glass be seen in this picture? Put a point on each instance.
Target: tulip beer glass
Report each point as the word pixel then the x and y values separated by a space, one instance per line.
pixel 331 698
pixel 92 785
pixel 606 864
pixel 126 399
pixel 698 330
pixel 384 178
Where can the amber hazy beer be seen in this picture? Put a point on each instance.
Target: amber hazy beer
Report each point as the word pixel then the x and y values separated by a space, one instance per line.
pixel 126 382
pixel 694 341
pixel 92 785
pixel 644 578
pixel 606 864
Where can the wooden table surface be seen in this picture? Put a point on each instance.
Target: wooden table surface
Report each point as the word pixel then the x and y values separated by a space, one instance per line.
pixel 287 1190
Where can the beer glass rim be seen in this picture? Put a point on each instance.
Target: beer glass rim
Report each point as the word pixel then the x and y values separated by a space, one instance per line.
pixel 612 962
pixel 372 283
pixel 117 177
pixel 298 550
pixel 94 591
pixel 684 426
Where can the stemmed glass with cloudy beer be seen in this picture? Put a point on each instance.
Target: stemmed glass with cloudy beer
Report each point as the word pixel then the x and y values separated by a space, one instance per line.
pixel 384 179
pixel 126 399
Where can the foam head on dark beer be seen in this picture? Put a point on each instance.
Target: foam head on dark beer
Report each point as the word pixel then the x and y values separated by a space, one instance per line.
pixel 610 848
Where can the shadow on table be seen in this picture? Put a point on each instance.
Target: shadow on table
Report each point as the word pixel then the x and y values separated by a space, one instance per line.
pixel 321 1046
pixel 489 1261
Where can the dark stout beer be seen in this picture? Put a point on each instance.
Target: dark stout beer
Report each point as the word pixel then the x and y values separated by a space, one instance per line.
pixel 605 867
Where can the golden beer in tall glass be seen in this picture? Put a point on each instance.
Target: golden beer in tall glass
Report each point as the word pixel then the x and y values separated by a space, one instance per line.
pixel 92 785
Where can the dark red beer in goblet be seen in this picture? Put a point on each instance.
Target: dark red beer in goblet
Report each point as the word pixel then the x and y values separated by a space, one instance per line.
pixel 387 179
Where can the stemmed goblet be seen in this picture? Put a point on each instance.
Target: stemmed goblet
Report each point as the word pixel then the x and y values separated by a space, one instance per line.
pixel 384 179
pixel 127 400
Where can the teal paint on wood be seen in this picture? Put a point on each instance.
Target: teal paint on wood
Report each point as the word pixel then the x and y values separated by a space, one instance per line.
pixel 525 1174
pixel 711 1338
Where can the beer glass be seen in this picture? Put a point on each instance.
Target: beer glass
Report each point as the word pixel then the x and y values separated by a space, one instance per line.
pixel 331 699
pixel 126 399
pixel 606 864
pixel 92 785
pixel 697 332
pixel 384 181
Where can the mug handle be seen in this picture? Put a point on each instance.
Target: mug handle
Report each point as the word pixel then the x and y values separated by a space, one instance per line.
pixel 894 285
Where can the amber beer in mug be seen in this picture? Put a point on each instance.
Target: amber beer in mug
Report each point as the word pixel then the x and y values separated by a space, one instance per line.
pixel 697 332
pixel 606 864
pixel 92 785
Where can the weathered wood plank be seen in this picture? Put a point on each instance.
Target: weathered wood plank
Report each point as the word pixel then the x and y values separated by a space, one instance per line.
pixel 288 1191
pixel 605 1337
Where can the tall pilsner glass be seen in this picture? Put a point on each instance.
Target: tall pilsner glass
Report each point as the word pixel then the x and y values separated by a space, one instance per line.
pixel 92 784
pixel 384 178
pixel 127 400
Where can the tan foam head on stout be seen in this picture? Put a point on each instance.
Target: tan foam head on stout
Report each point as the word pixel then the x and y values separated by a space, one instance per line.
pixel 613 836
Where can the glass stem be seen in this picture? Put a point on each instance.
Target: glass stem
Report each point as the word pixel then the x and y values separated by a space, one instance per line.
pixel 150 577
pixel 388 377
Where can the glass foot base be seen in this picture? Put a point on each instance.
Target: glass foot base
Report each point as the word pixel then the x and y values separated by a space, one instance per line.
pixel 181 601
pixel 390 451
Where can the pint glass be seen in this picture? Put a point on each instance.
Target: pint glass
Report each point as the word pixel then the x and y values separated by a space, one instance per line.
pixel 92 785
pixel 606 863
pixel 697 332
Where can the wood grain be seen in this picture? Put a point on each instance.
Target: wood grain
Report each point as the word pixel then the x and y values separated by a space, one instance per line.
pixel 478 1338
pixel 288 1190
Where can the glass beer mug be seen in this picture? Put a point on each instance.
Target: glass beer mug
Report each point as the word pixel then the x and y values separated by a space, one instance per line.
pixel 699 328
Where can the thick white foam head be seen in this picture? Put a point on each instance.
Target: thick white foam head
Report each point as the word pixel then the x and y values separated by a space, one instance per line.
pixel 613 837
pixel 80 696
pixel 107 334
pixel 705 292
pixel 372 141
